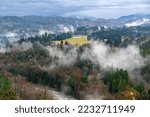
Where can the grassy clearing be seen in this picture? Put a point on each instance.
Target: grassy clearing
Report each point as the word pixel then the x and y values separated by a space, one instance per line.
pixel 76 40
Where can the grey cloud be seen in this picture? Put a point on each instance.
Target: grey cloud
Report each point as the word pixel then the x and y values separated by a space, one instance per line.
pixel 97 8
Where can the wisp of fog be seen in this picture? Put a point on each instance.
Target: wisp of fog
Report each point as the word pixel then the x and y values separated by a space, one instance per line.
pixel 128 58
pixel 106 57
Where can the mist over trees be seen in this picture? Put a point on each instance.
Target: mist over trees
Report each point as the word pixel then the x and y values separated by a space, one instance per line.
pixel 105 69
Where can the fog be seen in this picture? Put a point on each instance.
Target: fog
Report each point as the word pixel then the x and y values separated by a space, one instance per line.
pixel 62 58
pixel 15 47
pixel 128 58
pixel 65 29
pixel 4 49
pixel 22 47
pixel 106 57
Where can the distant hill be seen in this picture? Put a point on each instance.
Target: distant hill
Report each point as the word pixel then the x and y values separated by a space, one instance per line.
pixel 12 28
pixel 134 17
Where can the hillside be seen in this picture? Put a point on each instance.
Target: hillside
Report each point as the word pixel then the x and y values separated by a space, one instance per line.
pixel 73 58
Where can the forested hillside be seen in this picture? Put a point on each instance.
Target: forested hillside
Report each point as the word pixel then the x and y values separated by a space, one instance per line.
pixel 84 72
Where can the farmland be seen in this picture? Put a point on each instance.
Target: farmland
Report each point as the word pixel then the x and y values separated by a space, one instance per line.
pixel 76 40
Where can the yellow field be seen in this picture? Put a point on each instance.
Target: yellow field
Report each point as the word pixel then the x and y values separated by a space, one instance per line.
pixel 76 40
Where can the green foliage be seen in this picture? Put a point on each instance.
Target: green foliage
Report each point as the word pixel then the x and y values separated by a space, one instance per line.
pixel 6 92
pixel 84 79
pixel 117 80
pixel 139 88
pixel 145 48
pixel 47 39
pixel 37 76
pixel 36 52
pixel 131 35
pixel 85 30
pixel 148 94
pixel 82 63
pixel 146 73
pixel 73 85
pixel 113 36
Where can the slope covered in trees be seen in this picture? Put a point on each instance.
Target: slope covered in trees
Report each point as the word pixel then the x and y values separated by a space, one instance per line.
pixel 81 78
pixel 80 71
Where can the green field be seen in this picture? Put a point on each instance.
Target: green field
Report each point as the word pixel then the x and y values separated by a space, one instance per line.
pixel 76 40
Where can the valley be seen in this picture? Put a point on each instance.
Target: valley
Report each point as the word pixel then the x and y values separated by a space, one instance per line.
pixel 79 59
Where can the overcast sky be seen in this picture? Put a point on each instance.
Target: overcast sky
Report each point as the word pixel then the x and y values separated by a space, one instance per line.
pixel 83 8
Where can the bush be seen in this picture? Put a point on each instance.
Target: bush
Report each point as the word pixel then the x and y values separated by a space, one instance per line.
pixel 6 92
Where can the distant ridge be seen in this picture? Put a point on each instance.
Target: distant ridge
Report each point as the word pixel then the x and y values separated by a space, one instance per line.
pixel 134 17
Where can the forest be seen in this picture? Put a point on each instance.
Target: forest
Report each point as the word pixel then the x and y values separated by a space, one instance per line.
pixel 88 71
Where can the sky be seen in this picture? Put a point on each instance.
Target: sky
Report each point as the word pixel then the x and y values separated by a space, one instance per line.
pixel 81 8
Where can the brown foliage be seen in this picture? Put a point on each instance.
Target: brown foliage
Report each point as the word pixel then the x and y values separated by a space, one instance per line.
pixel 28 91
